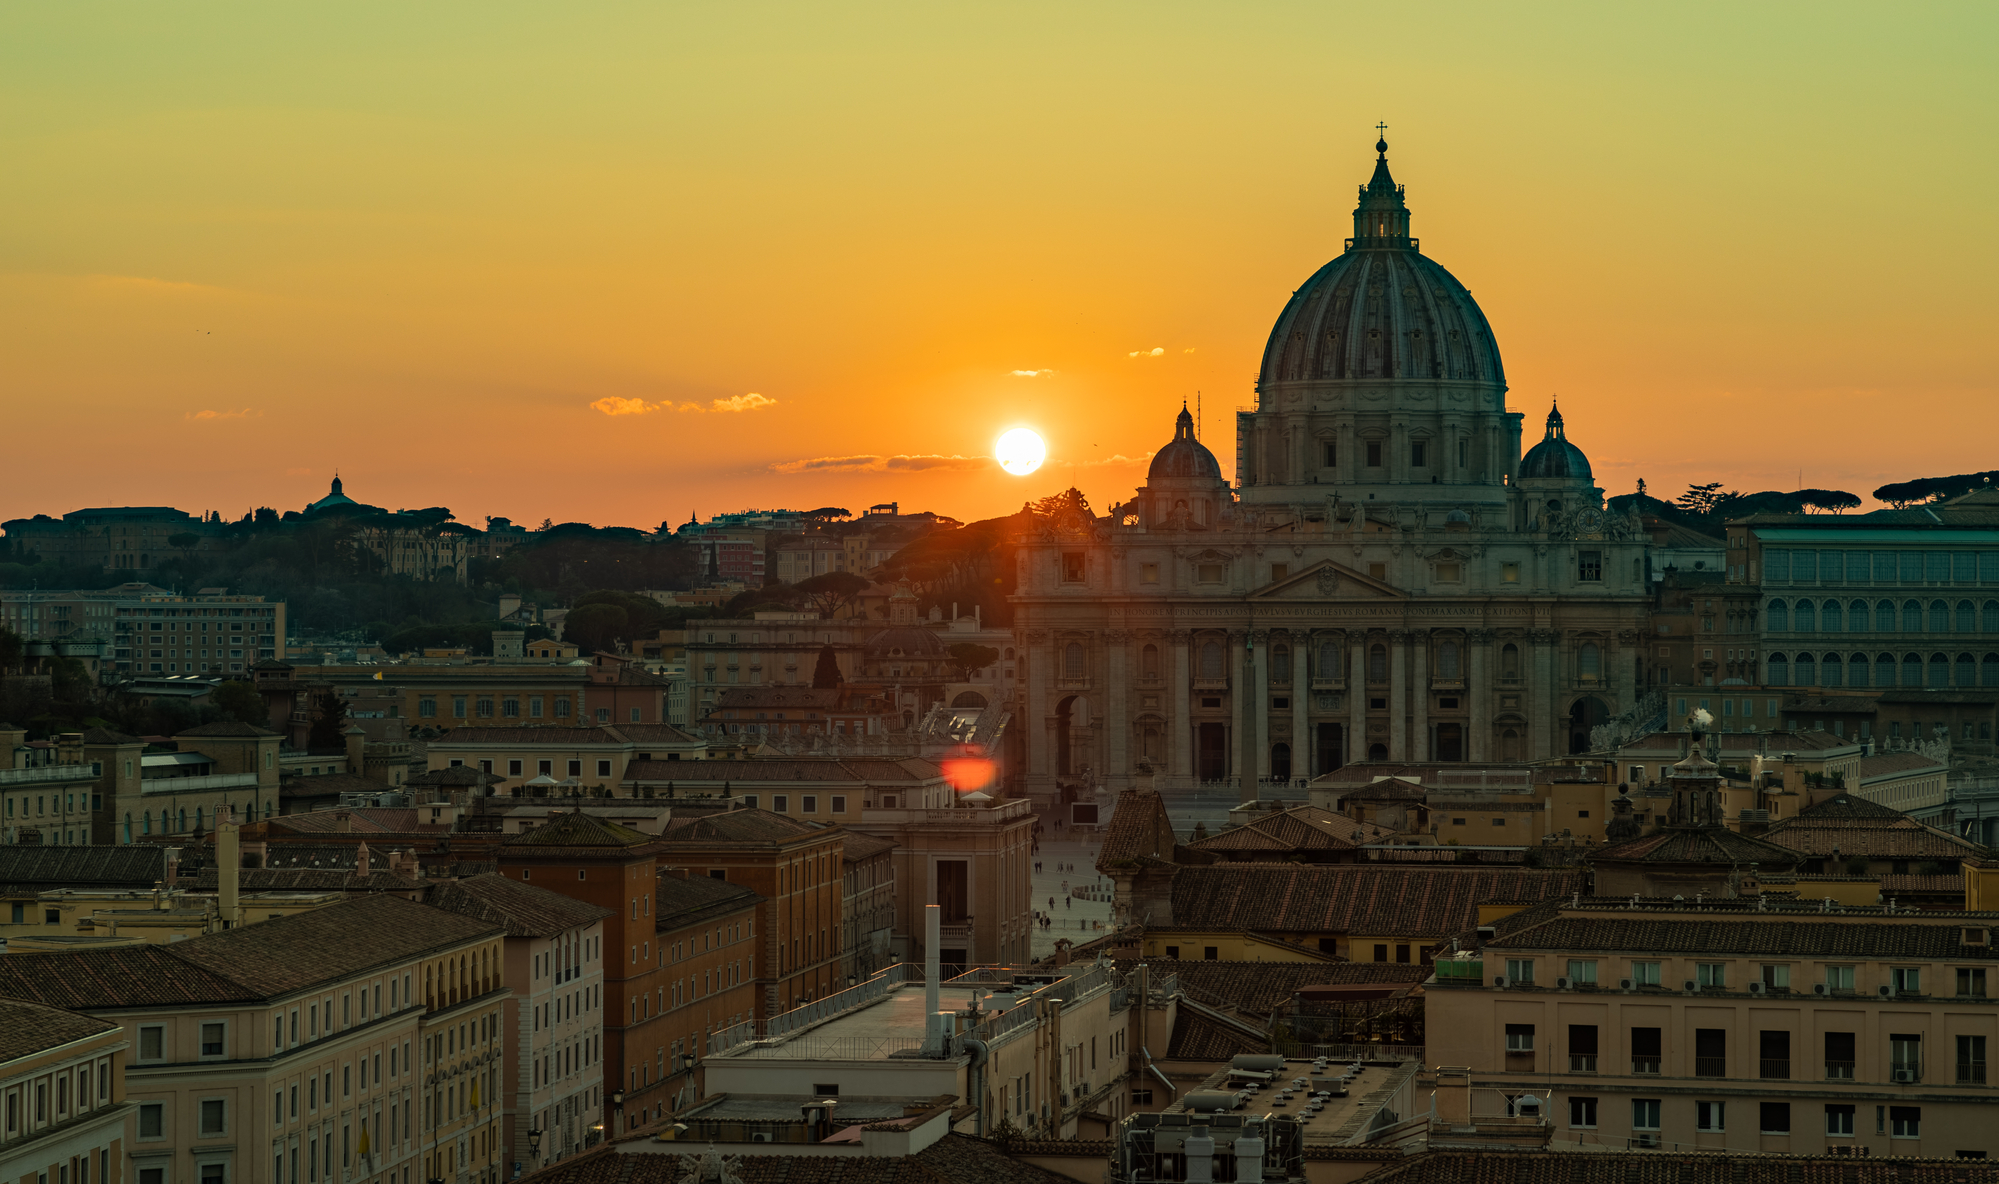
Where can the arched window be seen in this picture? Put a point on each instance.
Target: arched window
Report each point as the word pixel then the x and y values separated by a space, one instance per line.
pixel 1280 663
pixel 1988 671
pixel 1807 615
pixel 128 827
pixel 1830 618
pixel 1805 674
pixel 1912 616
pixel 1330 665
pixel 1779 616
pixel 1967 671
pixel 1884 616
pixel 183 822
pixel 1009 651
pixel 1967 617
pixel 1072 660
pixel 1211 659
pixel 1447 660
pixel 1912 670
pixel 1990 624
pixel 1509 661
pixel 1148 662
pixel 146 824
pixel 1589 660
pixel 1856 671
pixel 1939 671
pixel 1830 668
pixel 1884 670
pixel 1377 663
pixel 1939 617
pixel 1780 671
pixel 1856 617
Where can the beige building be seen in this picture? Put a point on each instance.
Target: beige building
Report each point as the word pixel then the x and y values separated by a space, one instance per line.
pixel 357 1042
pixel 151 630
pixel 1770 1026
pixel 62 1089
pixel 553 758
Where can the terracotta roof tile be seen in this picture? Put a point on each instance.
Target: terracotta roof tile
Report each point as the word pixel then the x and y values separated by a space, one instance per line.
pixel 856 846
pixel 579 829
pixel 523 910
pixel 746 825
pixel 29 1028
pixel 1876 937
pixel 1357 898
pixel 226 728
pixel 1301 828
pixel 692 900
pixel 140 865
pixel 899 773
pixel 1197 1038
pixel 1258 988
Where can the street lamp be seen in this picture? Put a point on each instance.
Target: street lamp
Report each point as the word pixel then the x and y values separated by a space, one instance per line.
pixel 534 1142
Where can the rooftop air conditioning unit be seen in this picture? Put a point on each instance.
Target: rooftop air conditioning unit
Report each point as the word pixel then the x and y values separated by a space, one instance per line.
pixel 1563 984
pixel 1905 1076
pixel 759 1136
pixel 1624 984
pixel 1689 986
pixel 1499 981
pixel 1887 992
pixel 1756 988
pixel 1821 989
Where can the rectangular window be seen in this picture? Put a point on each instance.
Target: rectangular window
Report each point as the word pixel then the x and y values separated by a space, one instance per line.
pixel 1645 1050
pixel 513 768
pixel 1971 980
pixel 1905 1058
pixel 1520 970
pixel 1710 1052
pixel 1776 978
pixel 1332 454
pixel 1839 978
pixel 1072 567
pixel 211 1040
pixel 1148 573
pixel 1582 1113
pixel 426 708
pixel 152 1042
pixel 211 1116
pixel 1509 573
pixel 1971 1060
pixel 1644 1114
pixel 603 768
pixel 780 802
pixel 1773 1118
pixel 839 803
pixel 1905 1122
pixel 1582 971
pixel 1374 454
pixel 152 1120
pixel 808 803
pixel 1589 566
pixel 1419 454
pixel 1709 1116
pixel 1711 974
pixel 458 707
pixel 1582 1048
pixel 1907 980
pixel 1839 1121
pixel 1519 1038
pixel 1645 974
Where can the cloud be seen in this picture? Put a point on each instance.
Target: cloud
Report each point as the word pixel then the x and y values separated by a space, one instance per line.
pixel 246 413
pixel 1028 373
pixel 1188 350
pixel 742 403
pixel 876 463
pixel 613 405
pixel 1154 352
pixel 1117 459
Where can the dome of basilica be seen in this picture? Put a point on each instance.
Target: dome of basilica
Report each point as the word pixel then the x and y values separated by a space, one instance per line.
pixel 1184 456
pixel 1554 457
pixel 1382 310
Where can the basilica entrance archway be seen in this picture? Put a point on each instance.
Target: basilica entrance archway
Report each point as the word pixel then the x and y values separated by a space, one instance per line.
pixel 1586 713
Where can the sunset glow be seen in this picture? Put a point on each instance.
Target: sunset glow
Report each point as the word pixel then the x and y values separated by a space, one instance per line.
pixel 1020 451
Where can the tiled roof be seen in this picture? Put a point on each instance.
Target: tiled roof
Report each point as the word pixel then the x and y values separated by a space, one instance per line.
pixel 83 867
pixel 455 775
pixel 291 953
pixel 1197 1038
pixel 1845 805
pixel 329 785
pixel 1889 764
pixel 1139 830
pixel 682 901
pixel 315 879
pixel 578 829
pixel 912 771
pixel 856 847
pixel 1673 1167
pixel 108 736
pixel 368 820
pixel 546 735
pixel 29 1028
pixel 1356 898
pixel 1301 828
pixel 736 826
pixel 1862 829
pixel 523 910
pixel 1258 988
pixel 1697 844
pixel 135 976
pixel 226 728
pixel 953 1159
pixel 1923 885
pixel 654 733
pixel 1388 789
pixel 1875 936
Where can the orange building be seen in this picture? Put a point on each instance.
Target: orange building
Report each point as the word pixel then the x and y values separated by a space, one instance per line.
pixel 709 936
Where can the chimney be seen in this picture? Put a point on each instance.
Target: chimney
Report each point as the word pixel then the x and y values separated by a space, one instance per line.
pixel 361 860
pixel 933 934
pixel 229 867
pixel 343 822
pixel 173 867
pixel 357 749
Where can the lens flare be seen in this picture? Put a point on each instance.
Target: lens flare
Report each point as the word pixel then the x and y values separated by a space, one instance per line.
pixel 1020 451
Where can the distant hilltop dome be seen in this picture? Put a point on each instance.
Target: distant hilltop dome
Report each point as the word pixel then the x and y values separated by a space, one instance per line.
pixel 1184 456
pixel 333 498
pixel 1382 311
pixel 1554 456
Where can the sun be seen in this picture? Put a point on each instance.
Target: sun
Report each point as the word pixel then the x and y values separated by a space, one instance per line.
pixel 1020 451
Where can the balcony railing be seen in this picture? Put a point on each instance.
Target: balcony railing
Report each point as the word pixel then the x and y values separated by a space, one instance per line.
pixel 1582 1064
pixel 1971 1072
pixel 1211 684
pixel 1710 1066
pixel 1839 1070
pixel 1644 1065
pixel 1328 684
pixel 1772 1069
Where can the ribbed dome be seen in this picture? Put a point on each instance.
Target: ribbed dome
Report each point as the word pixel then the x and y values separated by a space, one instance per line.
pixel 1382 310
pixel 1184 456
pixel 904 641
pixel 1554 456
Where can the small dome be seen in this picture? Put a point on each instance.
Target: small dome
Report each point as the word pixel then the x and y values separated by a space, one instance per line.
pixel 905 641
pixel 1554 456
pixel 1184 456
pixel 1457 518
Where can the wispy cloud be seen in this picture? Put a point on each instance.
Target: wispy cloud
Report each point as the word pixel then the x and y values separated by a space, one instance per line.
pixel 1154 352
pixel 1116 459
pixel 749 402
pixel 877 463
pixel 1188 350
pixel 1028 373
pixel 245 413
pixel 613 405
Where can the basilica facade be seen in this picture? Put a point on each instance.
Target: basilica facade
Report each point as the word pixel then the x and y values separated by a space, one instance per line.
pixel 1388 579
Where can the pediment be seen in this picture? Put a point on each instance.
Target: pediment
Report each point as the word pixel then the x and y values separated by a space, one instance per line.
pixel 1329 580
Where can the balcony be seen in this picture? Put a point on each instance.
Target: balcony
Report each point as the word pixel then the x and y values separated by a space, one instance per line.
pixel 1839 1070
pixel 1212 684
pixel 1582 1064
pixel 1971 1072
pixel 1774 1070
pixel 1710 1066
pixel 1320 683
pixel 1642 1065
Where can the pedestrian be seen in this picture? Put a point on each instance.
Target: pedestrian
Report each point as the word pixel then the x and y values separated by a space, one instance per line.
pixel 1071 900
pixel 1051 902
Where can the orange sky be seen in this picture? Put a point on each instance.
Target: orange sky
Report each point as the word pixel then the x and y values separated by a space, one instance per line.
pixel 243 244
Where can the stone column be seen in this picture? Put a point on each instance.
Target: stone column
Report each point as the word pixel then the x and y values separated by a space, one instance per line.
pixel 1242 763
pixel 1419 703
pixel 1628 690
pixel 1398 695
pixel 1478 685
pixel 1356 745
pixel 1304 745
pixel 1180 761
pixel 1040 670
pixel 1541 692
pixel 1259 710
pixel 1117 710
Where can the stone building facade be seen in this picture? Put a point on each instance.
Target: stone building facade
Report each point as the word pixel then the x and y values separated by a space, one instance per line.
pixel 1388 579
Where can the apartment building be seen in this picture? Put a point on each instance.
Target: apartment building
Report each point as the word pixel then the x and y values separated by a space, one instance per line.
pixel 151 630
pixel 553 1091
pixel 586 755
pixel 709 939
pixel 1742 1025
pixel 356 1042
pixel 62 1088
pixel 444 694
